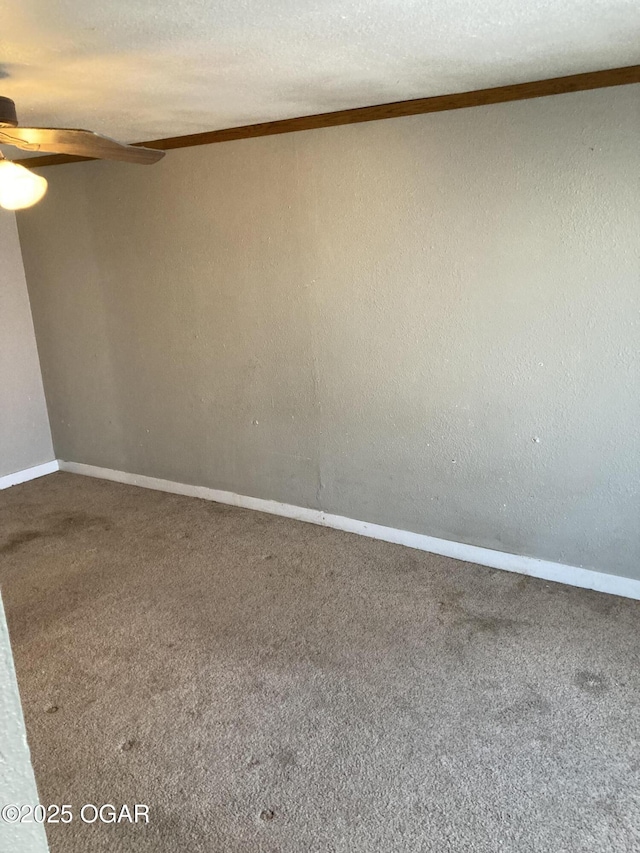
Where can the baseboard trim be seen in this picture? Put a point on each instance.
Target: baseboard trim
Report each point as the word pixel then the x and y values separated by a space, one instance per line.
pixel 543 569
pixel 29 474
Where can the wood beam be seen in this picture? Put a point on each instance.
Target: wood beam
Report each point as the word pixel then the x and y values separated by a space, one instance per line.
pixel 397 109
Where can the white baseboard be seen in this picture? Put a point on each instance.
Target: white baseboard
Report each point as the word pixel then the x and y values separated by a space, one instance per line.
pixel 28 474
pixel 544 569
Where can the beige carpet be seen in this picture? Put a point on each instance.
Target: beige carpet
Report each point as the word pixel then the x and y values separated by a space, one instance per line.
pixel 267 685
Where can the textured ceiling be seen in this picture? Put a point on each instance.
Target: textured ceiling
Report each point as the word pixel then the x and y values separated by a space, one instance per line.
pixel 144 69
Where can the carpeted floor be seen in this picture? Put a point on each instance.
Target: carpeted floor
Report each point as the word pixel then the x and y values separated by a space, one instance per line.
pixel 267 685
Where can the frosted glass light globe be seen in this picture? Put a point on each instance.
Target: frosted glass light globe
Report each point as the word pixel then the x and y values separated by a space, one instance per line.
pixel 19 188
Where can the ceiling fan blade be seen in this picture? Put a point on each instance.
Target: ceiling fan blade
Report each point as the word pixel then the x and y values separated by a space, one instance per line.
pixel 82 143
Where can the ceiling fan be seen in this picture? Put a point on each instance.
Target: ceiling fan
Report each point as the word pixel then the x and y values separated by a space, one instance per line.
pixel 20 188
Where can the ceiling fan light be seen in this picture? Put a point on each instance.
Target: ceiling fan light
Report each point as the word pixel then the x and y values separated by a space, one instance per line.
pixel 19 188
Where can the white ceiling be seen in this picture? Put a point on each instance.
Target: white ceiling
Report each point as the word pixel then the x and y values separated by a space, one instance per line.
pixel 145 69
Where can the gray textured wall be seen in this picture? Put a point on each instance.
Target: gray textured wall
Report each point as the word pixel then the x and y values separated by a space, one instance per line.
pixel 17 782
pixel 25 437
pixel 429 323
